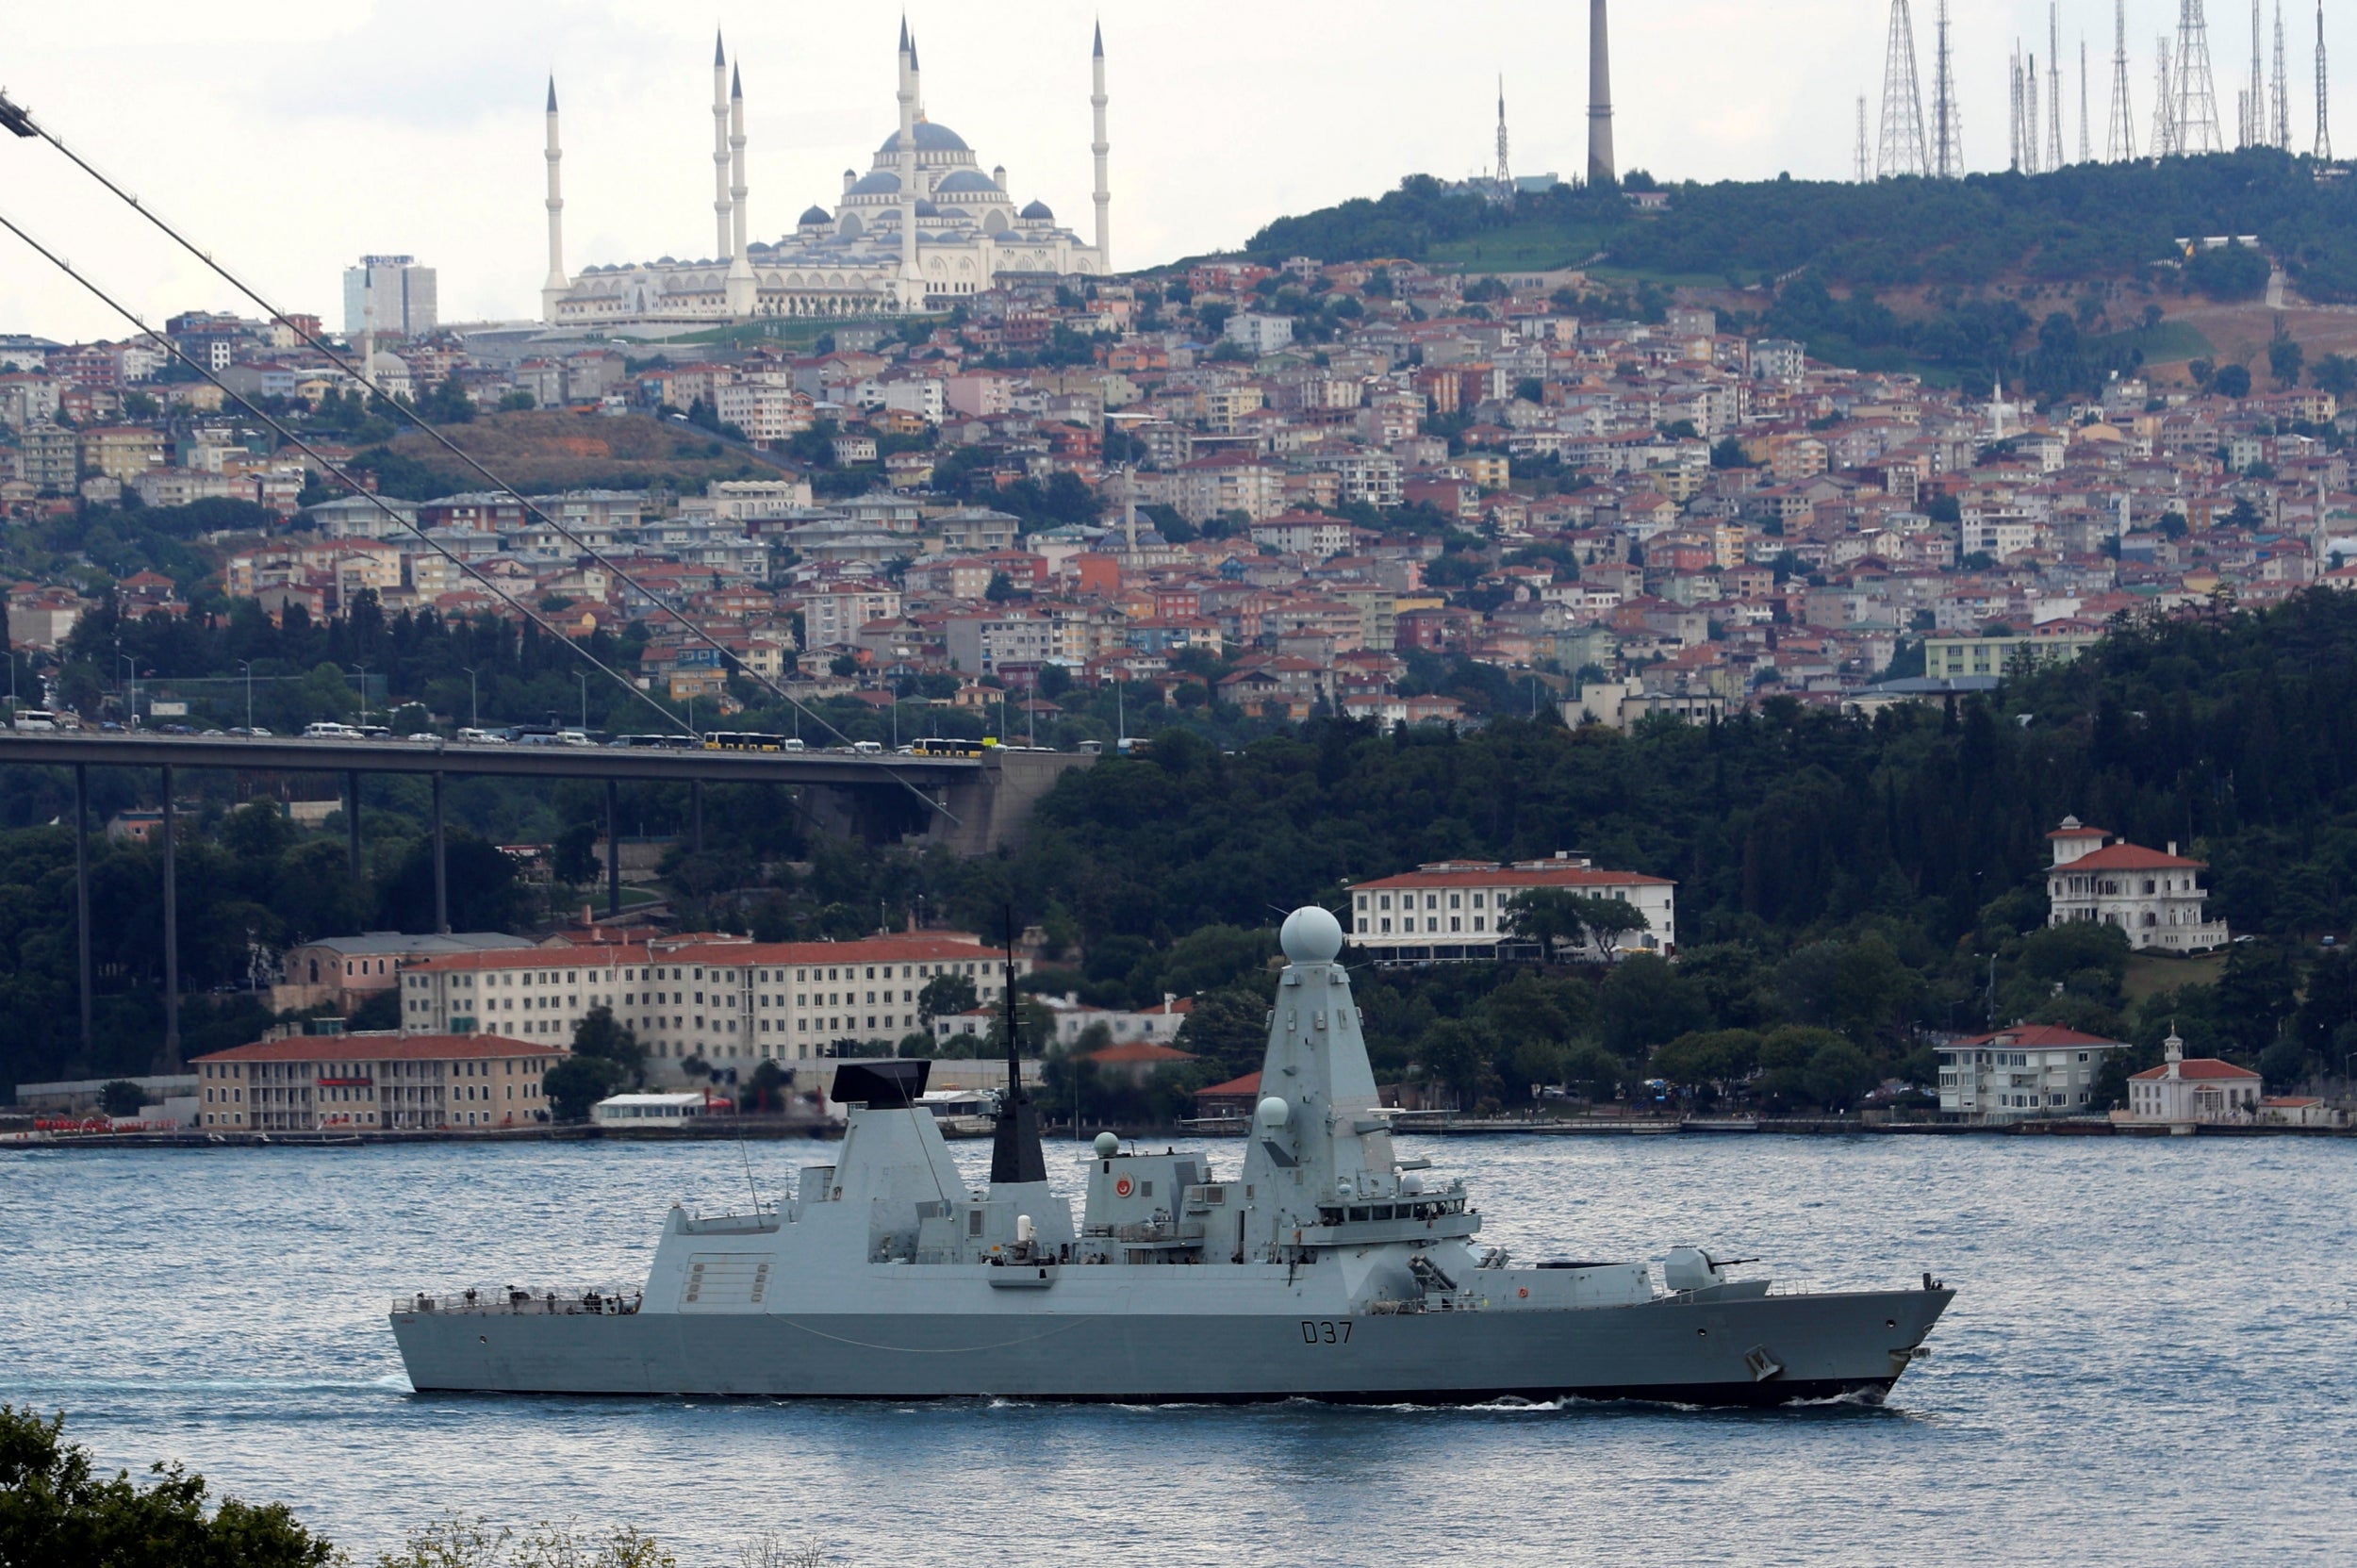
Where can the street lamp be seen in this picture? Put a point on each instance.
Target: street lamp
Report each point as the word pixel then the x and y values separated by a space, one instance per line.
pixel 247 665
pixel 364 692
pixel 474 709
pixel 584 678
pixel 130 688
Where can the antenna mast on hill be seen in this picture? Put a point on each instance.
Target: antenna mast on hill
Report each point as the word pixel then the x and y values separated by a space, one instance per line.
pixel 2280 133
pixel 2194 128
pixel 2324 96
pixel 2087 146
pixel 2165 109
pixel 1947 128
pixel 1861 176
pixel 1903 145
pixel 2054 159
pixel 2121 147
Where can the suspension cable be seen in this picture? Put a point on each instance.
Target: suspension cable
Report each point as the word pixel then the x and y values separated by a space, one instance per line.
pixel 15 118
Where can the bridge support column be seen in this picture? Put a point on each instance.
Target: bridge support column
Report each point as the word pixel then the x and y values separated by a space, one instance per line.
pixel 351 819
pixel 613 853
pixel 696 815
pixel 81 896
pixel 172 937
pixel 441 866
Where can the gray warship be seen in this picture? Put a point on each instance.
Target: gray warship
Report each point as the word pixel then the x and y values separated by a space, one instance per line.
pixel 1328 1267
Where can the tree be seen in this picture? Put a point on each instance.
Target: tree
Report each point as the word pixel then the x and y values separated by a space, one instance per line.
pixel 122 1098
pixel 601 1035
pixel 576 1084
pixel 1553 917
pixel 2231 381
pixel 573 857
pixel 2285 358
pixel 1458 1054
pixel 1230 1029
pixel 946 995
pixel 1646 1002
pixel 56 1511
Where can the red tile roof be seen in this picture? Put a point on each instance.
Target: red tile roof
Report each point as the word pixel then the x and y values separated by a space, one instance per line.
pixel 2084 831
pixel 2036 1037
pixel 1134 1054
pixel 1234 1088
pixel 2196 1067
pixel 2130 857
pixel 382 1048
pixel 874 949
pixel 1476 875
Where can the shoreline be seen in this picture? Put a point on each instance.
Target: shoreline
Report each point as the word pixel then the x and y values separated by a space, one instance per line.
pixel 777 1129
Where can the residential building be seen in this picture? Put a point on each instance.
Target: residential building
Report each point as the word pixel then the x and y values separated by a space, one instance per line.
pixel 2028 1070
pixel 2182 1094
pixel 700 998
pixel 307 1082
pixel 2153 895
pixel 345 971
pixel 1462 909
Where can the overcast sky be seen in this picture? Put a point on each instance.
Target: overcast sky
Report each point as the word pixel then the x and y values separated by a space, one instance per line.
pixel 291 135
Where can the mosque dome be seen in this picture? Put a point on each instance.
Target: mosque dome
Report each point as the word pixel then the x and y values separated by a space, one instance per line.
pixel 961 182
pixel 931 138
pixel 925 209
pixel 814 215
pixel 1040 212
pixel 881 182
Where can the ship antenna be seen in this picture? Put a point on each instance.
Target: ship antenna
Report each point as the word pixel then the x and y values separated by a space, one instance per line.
pixel 1014 1153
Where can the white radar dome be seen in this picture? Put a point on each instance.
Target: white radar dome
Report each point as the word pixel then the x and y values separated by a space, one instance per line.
pixel 1312 935
pixel 1275 1113
pixel 1107 1146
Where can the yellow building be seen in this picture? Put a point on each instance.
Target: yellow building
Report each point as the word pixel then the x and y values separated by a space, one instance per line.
pixel 309 1082
pixel 122 452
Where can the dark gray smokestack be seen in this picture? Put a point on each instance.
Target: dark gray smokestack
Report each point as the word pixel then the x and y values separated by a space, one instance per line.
pixel 1600 164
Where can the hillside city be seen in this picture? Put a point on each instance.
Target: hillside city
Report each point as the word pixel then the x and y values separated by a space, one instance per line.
pixel 1376 490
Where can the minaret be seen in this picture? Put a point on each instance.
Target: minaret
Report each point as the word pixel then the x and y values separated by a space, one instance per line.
pixel 720 147
pixel 742 287
pixel 1100 147
pixel 1600 164
pixel 558 284
pixel 912 287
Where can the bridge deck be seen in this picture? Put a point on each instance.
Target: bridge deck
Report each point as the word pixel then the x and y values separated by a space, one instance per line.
pixel 293 755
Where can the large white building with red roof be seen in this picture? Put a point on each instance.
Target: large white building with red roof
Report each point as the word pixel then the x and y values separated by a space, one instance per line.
pixel 2028 1070
pixel 724 1001
pixel 1458 909
pixel 2154 896
pixel 311 1082
pixel 2183 1093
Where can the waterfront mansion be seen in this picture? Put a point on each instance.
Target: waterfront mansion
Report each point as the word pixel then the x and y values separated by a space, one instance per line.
pixel 2028 1070
pixel 2154 896
pixel 1463 909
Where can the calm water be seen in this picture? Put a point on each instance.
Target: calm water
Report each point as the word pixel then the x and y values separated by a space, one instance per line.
pixel 2150 1361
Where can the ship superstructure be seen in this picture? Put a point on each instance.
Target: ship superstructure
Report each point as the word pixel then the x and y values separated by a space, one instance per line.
pixel 1327 1266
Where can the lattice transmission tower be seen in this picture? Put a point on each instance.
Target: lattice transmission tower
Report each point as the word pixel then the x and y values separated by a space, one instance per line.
pixel 2279 100
pixel 1947 122
pixel 2121 145
pixel 2194 128
pixel 2165 109
pixel 1904 150
pixel 2086 147
pixel 1863 171
pixel 2054 159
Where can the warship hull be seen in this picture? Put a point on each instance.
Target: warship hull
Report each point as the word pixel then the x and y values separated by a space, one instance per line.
pixel 1768 1351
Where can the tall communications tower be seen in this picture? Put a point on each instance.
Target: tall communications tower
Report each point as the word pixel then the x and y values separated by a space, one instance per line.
pixel 2165 109
pixel 2053 85
pixel 2194 128
pixel 2120 144
pixel 2032 123
pixel 2324 96
pixel 1947 125
pixel 1506 179
pixel 2280 133
pixel 1904 150
pixel 2086 148
pixel 1600 162
pixel 1863 174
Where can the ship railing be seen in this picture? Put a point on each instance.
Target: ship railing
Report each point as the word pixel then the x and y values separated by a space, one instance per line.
pixel 515 1300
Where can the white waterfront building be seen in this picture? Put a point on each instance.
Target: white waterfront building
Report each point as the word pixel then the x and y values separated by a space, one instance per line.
pixel 2155 897
pixel 924 226
pixel 1461 909
pixel 2185 1093
pixel 2028 1070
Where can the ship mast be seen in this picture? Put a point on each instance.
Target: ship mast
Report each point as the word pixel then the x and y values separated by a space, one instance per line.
pixel 1015 1151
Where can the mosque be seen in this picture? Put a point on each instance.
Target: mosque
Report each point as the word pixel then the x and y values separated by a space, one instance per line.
pixel 922 227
